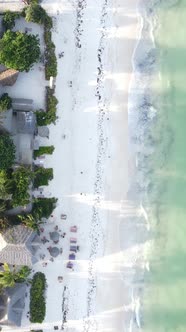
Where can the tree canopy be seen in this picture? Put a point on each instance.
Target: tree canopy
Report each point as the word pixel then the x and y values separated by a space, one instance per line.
pixel 7 152
pixel 19 50
pixel 35 13
pixel 5 102
pixel 9 277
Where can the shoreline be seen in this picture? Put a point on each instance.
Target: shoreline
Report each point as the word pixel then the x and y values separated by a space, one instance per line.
pixel 121 297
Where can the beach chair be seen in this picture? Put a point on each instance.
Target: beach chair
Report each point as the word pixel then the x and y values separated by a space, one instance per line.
pixel 73 229
pixel 72 256
pixel 73 240
pixel 74 248
pixel 69 265
pixel 63 216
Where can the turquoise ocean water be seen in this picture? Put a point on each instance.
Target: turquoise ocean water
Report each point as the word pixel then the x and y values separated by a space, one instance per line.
pixel 159 117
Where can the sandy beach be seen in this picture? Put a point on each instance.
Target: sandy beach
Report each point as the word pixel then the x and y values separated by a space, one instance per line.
pixel 91 164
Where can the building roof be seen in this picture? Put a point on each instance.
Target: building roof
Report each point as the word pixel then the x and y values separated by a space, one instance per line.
pixel 26 122
pixel 18 245
pixel 22 104
pixel 43 131
pixel 8 76
pixel 12 303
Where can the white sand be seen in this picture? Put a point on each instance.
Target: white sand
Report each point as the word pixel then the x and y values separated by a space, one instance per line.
pixel 95 143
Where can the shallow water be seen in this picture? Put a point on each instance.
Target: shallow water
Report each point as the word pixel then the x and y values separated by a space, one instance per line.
pixel 165 296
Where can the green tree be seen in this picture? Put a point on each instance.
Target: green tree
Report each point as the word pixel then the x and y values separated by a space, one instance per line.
pixel 19 185
pixel 42 176
pixel 4 186
pixel 43 150
pixel 37 298
pixel 30 221
pixel 19 50
pixel 5 102
pixel 35 13
pixel 9 19
pixel 9 277
pixel 7 152
pixel 43 207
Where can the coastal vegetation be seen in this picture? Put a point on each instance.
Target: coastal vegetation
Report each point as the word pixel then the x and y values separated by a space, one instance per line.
pixel 42 176
pixel 49 116
pixel 19 50
pixel 35 13
pixel 9 19
pixel 37 298
pixel 7 152
pixel 30 221
pixel 10 276
pixel 43 150
pixel 5 102
pixel 43 207
pixel 19 184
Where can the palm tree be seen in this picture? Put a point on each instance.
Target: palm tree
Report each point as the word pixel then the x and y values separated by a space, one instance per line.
pixel 30 221
pixel 8 277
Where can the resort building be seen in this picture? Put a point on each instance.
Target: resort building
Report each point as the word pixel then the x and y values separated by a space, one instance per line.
pixel 12 302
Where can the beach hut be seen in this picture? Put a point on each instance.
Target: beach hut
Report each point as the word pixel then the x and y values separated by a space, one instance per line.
pixel 54 236
pixel 54 251
pixel 72 256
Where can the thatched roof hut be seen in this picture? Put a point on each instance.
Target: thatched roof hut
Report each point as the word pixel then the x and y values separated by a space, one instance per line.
pixel 8 76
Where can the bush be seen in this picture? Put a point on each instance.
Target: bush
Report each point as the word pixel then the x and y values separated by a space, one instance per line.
pixel 9 19
pixel 43 150
pixel 19 185
pixel 48 117
pixel 5 102
pixel 19 50
pixel 37 298
pixel 42 176
pixel 43 207
pixel 50 57
pixel 35 13
pixel 7 152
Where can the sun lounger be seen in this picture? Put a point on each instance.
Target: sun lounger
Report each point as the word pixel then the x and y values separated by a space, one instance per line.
pixel 73 229
pixel 72 256
pixel 69 265
pixel 73 240
pixel 74 248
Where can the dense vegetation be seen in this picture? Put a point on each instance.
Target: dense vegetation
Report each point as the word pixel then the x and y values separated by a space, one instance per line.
pixel 35 13
pixel 7 152
pixel 43 207
pixel 19 50
pixel 30 221
pixel 19 185
pixel 10 276
pixel 9 19
pixel 50 56
pixel 48 117
pixel 42 176
pixel 5 102
pixel 43 150
pixel 37 298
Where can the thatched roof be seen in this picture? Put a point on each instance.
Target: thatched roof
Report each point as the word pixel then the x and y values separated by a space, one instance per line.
pixel 18 245
pixel 8 76
pixel 43 131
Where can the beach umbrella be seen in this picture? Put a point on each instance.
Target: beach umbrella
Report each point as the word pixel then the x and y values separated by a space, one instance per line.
pixel 54 251
pixel 54 236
